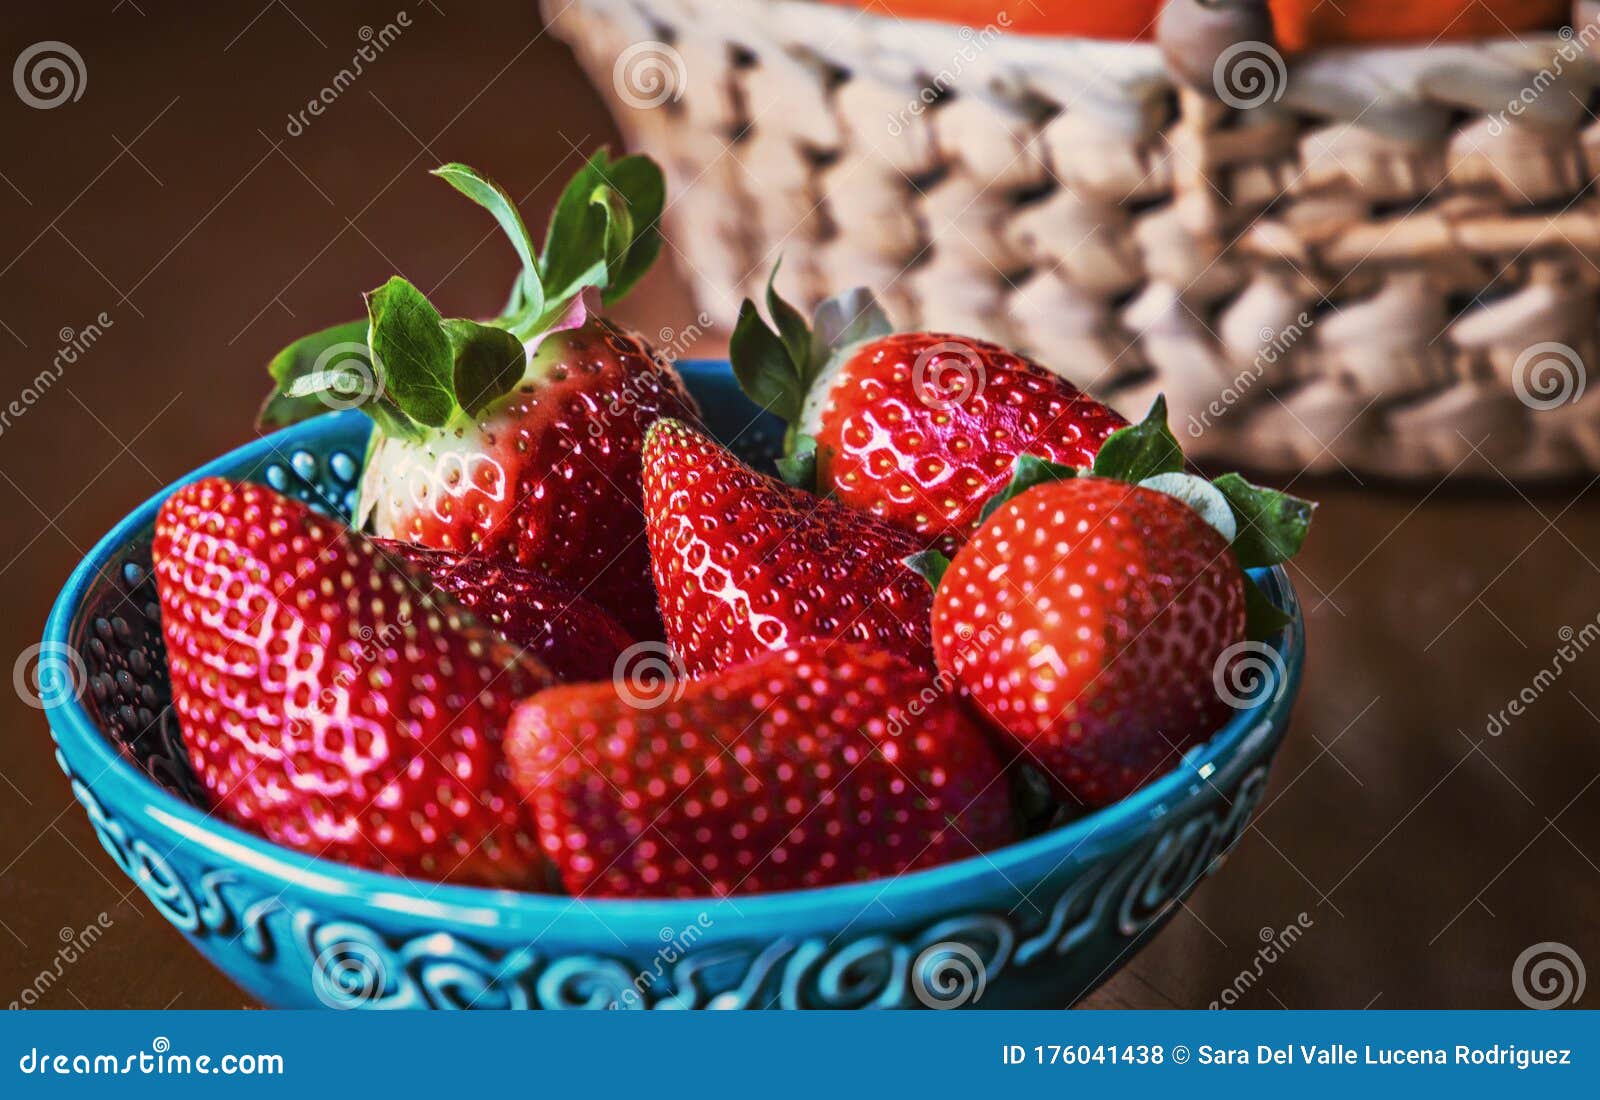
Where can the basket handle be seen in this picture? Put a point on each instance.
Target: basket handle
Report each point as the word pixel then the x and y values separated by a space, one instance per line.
pixel 1197 37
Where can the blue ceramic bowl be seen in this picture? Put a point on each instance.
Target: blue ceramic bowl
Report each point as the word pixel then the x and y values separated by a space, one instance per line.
pixel 1039 923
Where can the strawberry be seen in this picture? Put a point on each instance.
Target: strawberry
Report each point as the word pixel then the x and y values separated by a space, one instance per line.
pixel 1092 612
pixel 745 564
pixel 516 439
pixel 920 428
pixel 816 765
pixel 1113 604
pixel 574 638
pixel 331 699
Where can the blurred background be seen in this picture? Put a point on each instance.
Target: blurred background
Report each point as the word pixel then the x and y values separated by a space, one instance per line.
pixel 181 219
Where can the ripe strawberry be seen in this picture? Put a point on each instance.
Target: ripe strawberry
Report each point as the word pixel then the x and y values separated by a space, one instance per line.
pixel 574 638
pixel 820 764
pixel 331 700
pixel 745 564
pixel 1086 618
pixel 919 428
pixel 518 439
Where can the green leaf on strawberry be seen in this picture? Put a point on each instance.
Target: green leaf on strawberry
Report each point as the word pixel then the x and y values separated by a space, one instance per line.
pixel 493 198
pixel 1272 524
pixel 422 372
pixel 1262 617
pixel 605 230
pixel 488 362
pixel 317 353
pixel 763 366
pixel 1141 450
pixel 799 468
pixel 777 364
pixel 930 565
pixel 412 353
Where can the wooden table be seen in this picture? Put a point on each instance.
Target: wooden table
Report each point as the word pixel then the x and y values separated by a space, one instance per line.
pixel 1424 854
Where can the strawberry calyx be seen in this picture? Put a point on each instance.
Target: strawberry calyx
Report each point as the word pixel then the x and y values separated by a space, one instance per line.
pixel 777 364
pixel 1262 526
pixel 414 371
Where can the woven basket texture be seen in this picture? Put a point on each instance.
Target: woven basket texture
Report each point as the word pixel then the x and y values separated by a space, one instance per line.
pixel 1384 261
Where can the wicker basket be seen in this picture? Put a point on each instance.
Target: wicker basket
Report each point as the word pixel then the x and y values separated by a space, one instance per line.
pixel 1382 260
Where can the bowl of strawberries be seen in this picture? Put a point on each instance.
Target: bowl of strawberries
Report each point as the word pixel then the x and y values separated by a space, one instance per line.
pixel 521 666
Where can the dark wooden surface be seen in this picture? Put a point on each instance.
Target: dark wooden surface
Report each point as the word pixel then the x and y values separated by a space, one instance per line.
pixel 1424 854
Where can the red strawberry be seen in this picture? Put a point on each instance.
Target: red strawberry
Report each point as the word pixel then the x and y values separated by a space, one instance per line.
pixel 919 428
pixel 745 564
pixel 1086 619
pixel 518 439
pixel 574 638
pixel 549 477
pixel 821 764
pixel 331 700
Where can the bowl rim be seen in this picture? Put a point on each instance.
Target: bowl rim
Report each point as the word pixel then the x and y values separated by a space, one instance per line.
pixel 71 724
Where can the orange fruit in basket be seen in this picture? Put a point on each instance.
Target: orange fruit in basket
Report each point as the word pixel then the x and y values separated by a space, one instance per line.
pixel 1299 24
pixel 1124 20
pixel 1304 24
